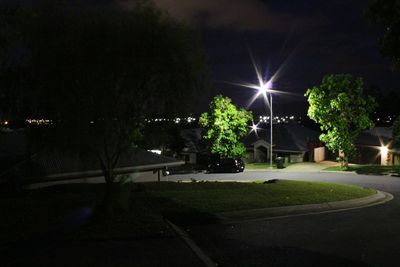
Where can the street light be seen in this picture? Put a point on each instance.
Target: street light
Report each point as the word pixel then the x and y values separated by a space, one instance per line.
pixel 254 128
pixel 265 89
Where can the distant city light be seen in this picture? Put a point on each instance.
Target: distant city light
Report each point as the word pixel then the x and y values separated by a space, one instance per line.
pixel 278 119
pixel 191 119
pixel 38 121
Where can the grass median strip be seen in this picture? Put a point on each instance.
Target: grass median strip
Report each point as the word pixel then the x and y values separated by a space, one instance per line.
pixel 139 209
pixel 367 169
pixel 219 197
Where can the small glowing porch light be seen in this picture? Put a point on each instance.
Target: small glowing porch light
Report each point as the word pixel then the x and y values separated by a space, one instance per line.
pixel 384 150
pixel 156 151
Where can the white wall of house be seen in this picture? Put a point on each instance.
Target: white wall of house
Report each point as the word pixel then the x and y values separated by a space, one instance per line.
pixel 258 154
pixel 386 158
pixel 190 158
pixel 319 154
pixel 396 159
pixel 296 158
pixel 148 176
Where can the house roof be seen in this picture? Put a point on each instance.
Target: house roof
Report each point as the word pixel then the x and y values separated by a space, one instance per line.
pixel 286 137
pixel 375 137
pixel 56 164
pixel 64 165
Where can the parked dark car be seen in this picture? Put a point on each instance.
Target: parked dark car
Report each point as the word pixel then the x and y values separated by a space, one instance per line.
pixel 226 165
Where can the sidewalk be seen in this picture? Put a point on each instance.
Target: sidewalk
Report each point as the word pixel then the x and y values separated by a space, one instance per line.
pixel 169 251
pixel 309 166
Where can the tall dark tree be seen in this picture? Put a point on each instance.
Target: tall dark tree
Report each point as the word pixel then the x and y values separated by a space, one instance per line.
pixel 386 13
pixel 396 133
pixel 97 73
pixel 13 97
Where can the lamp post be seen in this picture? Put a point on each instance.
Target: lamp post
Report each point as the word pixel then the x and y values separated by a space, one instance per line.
pixel 265 89
pixel 271 121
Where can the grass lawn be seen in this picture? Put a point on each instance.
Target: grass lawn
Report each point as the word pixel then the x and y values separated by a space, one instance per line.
pixel 139 209
pixel 218 197
pixel 367 169
pixel 261 166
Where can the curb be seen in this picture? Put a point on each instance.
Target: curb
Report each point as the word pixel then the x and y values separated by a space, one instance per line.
pixel 301 210
pixel 192 245
pixel 343 172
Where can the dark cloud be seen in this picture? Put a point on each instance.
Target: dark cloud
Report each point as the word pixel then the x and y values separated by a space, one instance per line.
pixel 246 15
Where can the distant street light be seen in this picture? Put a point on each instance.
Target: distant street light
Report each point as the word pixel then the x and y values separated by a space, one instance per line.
pixel 254 127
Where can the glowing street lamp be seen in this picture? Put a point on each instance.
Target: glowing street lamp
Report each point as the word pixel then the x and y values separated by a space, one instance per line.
pixel 264 88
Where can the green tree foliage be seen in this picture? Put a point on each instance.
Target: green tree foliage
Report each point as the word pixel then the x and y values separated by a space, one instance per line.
pixel 224 125
pixel 386 13
pixel 98 72
pixel 342 111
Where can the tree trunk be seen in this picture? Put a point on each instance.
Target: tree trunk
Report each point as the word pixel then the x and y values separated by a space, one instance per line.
pixel 107 202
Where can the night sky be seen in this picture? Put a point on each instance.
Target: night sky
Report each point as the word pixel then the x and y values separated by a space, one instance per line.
pixel 306 39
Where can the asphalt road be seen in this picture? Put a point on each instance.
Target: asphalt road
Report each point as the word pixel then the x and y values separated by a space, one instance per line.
pixel 361 237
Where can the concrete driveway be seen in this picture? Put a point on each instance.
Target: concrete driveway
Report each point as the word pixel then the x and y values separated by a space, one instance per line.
pixel 309 166
pixel 362 237
pixel 300 167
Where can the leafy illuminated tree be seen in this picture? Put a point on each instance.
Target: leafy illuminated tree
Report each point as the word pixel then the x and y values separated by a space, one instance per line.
pixel 342 111
pixel 386 13
pixel 224 125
